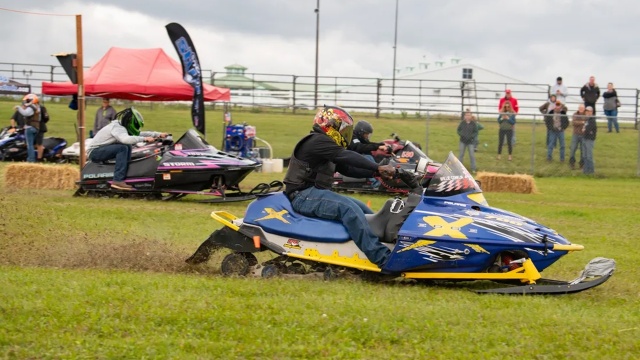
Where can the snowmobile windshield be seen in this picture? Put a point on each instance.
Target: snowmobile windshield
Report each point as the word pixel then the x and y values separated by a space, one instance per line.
pixel 413 153
pixel 452 179
pixel 192 140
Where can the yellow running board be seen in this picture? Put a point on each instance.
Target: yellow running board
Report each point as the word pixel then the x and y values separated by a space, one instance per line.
pixel 527 274
pixel 336 259
pixel 225 219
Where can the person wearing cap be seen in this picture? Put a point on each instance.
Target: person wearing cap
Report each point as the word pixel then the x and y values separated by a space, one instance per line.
pixel 577 122
pixel 509 97
pixel 105 114
pixel 556 123
pixel 588 141
pixel 590 93
pixel 559 90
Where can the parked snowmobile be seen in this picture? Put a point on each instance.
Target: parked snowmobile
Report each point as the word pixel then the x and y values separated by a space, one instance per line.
pixel 71 154
pixel 168 170
pixel 13 146
pixel 405 157
pixel 395 147
pixel 443 230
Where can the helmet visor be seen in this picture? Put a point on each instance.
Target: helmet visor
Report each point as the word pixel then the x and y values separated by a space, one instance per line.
pixel 346 130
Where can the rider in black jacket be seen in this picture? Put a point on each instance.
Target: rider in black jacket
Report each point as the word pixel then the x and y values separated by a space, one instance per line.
pixel 361 143
pixel 310 174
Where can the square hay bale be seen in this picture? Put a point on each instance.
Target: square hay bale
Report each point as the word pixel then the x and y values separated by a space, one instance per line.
pixel 41 176
pixel 516 183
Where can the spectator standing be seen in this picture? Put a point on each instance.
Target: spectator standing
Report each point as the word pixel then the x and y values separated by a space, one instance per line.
pixel 105 114
pixel 545 108
pixel 506 119
pixel 16 121
pixel 588 141
pixel 556 122
pixel 468 132
pixel 514 106
pixel 39 139
pixel 509 97
pixel 30 110
pixel 611 104
pixel 577 122
pixel 559 90
pixel 590 93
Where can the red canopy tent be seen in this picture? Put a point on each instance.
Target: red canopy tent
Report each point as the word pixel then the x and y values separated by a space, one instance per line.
pixel 136 74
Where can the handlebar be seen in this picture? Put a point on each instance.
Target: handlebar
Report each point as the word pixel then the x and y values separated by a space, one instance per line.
pixel 410 178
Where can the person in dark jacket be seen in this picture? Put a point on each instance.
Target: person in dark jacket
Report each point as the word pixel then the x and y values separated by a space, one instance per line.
pixel 590 93
pixel 361 142
pixel 468 132
pixel 588 141
pixel 309 177
pixel 557 122
pixel 363 145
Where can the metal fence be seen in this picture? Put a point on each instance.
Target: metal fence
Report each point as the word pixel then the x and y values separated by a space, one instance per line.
pixel 615 154
pixel 376 95
pixel 438 102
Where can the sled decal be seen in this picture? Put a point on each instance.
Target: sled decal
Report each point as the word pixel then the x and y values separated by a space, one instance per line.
pixel 435 253
pixel 442 228
pixel 477 248
pixel 417 244
pixel 272 214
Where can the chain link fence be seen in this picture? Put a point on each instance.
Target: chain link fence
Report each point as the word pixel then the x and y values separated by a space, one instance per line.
pixel 615 154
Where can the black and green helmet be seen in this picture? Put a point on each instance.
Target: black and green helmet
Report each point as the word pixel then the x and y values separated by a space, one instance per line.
pixel 132 120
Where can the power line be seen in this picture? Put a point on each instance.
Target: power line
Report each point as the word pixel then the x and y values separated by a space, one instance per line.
pixel 34 13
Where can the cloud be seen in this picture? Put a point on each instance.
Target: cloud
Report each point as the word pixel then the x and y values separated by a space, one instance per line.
pixel 529 40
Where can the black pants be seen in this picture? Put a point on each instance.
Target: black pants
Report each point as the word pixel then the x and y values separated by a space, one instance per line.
pixel 502 134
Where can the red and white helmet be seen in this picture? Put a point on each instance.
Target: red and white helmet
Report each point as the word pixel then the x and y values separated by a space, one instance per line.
pixel 336 123
pixel 30 99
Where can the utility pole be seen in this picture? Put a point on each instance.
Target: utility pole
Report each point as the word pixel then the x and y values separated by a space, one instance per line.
pixel 393 72
pixel 317 11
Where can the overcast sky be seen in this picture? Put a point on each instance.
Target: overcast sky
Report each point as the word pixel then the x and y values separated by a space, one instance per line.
pixel 533 41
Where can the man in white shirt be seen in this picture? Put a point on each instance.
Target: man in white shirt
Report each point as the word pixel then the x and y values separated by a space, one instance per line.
pixel 559 90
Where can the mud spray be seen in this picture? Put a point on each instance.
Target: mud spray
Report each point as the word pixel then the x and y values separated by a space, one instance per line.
pixel 77 253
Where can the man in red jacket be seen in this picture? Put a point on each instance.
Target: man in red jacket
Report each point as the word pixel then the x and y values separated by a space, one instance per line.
pixel 514 106
pixel 512 100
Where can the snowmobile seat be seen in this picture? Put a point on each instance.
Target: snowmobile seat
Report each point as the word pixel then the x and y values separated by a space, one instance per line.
pixel 274 214
pixel 378 221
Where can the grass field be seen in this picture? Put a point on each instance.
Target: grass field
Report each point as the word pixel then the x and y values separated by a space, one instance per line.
pixel 105 279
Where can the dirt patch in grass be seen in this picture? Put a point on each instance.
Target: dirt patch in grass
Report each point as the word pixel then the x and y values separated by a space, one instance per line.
pixel 142 255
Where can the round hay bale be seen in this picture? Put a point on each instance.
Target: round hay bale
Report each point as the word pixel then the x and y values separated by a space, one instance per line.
pixel 41 176
pixel 516 183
